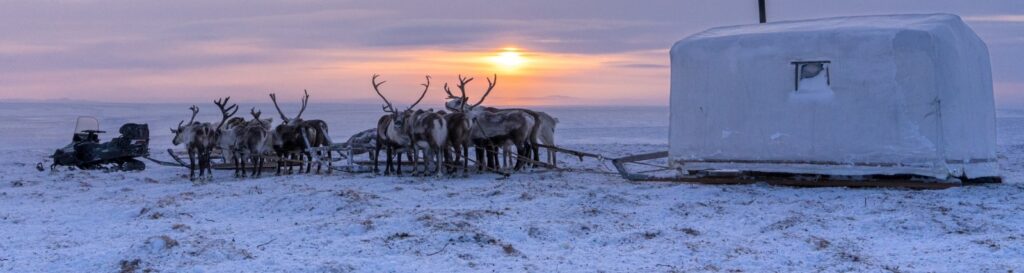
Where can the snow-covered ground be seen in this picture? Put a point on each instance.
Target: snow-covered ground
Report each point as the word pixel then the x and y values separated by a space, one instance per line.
pixel 588 220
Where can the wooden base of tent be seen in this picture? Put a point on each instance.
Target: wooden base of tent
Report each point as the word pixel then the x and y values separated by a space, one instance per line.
pixel 746 178
pixel 787 179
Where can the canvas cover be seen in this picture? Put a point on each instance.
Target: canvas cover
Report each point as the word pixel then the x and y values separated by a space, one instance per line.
pixel 893 94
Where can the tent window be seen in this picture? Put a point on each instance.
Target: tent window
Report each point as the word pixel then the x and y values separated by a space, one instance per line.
pixel 811 75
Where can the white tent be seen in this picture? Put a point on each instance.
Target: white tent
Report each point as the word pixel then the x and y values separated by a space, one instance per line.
pixel 869 95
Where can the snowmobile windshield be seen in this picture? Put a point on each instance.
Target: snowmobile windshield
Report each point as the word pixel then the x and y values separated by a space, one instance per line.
pixel 86 123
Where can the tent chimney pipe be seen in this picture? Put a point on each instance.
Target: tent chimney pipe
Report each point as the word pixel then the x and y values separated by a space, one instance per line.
pixel 760 5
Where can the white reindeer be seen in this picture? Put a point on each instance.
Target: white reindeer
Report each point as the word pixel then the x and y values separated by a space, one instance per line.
pixel 199 139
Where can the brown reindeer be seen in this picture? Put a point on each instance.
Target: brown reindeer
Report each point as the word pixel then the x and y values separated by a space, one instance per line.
pixel 287 142
pixel 298 139
pixel 459 126
pixel 543 131
pixel 255 142
pixel 491 130
pixel 317 137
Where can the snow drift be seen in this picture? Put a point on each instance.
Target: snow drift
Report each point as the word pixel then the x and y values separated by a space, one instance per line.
pixel 869 95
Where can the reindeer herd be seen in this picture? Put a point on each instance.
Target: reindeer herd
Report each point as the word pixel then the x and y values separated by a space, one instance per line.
pixel 433 142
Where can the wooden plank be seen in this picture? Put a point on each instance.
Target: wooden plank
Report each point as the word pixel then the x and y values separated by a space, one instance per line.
pixel 620 165
pixel 176 158
pixel 643 157
pixel 164 163
pixel 578 153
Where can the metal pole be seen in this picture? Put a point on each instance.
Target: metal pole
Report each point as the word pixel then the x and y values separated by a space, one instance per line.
pixel 760 4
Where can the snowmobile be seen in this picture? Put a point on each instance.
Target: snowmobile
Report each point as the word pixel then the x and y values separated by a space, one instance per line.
pixel 87 152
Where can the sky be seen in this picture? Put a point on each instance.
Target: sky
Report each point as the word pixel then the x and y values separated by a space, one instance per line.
pixel 543 52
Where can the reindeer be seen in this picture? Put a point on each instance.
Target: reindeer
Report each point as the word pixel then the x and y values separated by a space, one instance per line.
pixel 287 138
pixel 494 128
pixel 543 131
pixel 316 136
pixel 429 131
pixel 389 138
pixel 227 134
pixel 459 126
pixel 297 138
pixel 199 139
pixel 255 141
pixel 392 133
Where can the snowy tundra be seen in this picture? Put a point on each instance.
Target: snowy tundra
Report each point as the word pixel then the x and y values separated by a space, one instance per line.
pixel 583 220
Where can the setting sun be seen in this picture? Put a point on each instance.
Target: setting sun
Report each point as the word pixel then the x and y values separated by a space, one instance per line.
pixel 508 59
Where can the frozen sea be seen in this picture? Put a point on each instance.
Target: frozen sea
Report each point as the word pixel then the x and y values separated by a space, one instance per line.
pixel 51 124
pixel 587 220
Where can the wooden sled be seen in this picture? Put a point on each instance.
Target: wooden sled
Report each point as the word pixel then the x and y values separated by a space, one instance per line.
pixel 220 163
pixel 270 163
pixel 726 177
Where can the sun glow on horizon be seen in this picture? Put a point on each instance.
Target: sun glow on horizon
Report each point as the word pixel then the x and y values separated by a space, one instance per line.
pixel 510 59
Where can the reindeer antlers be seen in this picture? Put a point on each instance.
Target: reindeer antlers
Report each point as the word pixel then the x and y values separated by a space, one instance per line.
pixel 376 87
pixel 462 87
pixel 426 86
pixel 305 101
pixel 226 112
pixel 195 111
pixel 273 97
pixel 255 114
pixel 490 86
pixel 388 107
pixel 446 90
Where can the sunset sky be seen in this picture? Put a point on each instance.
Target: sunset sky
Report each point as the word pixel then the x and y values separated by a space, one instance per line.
pixel 544 51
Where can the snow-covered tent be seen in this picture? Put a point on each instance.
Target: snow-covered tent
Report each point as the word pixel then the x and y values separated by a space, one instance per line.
pixel 868 95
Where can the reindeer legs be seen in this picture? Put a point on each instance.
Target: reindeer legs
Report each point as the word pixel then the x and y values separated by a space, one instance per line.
pixel 191 164
pixel 206 164
pixel 398 155
pixel 239 161
pixel 376 157
pixel 439 157
pixel 523 152
pixel 309 161
pixel 257 162
pixel 388 153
